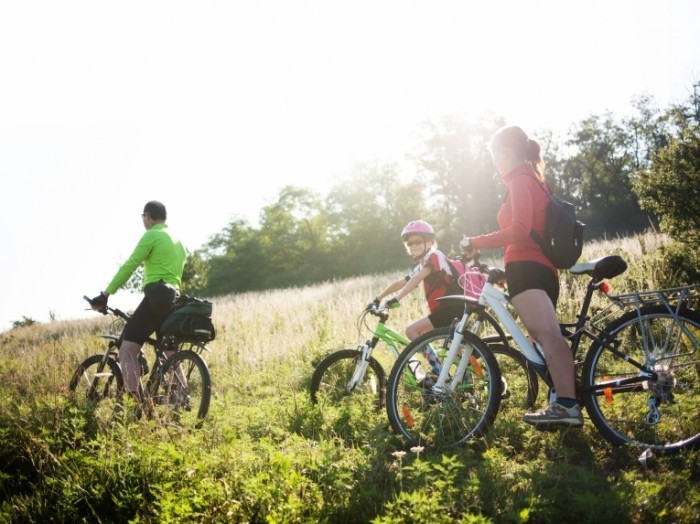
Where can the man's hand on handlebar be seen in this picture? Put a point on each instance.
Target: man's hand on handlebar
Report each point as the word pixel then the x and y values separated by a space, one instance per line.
pixel 99 303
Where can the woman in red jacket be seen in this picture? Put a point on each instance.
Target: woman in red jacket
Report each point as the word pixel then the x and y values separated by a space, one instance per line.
pixel 533 281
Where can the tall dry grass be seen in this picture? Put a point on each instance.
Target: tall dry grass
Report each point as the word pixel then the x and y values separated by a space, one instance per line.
pixel 265 454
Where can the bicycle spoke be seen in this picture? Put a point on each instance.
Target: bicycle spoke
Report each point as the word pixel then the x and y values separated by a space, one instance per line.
pixel 180 391
pixel 442 417
pixel 96 380
pixel 661 412
pixel 342 377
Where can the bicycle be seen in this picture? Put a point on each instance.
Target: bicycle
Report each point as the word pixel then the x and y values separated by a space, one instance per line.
pixel 638 380
pixel 358 372
pixel 177 389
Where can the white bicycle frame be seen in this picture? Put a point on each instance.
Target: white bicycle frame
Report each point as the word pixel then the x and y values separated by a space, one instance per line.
pixel 497 301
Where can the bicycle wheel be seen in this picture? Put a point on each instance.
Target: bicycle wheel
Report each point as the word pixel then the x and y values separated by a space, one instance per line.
pixel 438 419
pixel 520 383
pixel 489 330
pixel 519 380
pixel 180 390
pixel 660 413
pixel 96 379
pixel 333 380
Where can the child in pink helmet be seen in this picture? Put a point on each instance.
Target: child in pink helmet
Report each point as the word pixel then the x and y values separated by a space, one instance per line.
pixel 433 271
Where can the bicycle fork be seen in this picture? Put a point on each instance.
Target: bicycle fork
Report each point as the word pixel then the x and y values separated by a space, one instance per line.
pixel 465 359
pixel 361 367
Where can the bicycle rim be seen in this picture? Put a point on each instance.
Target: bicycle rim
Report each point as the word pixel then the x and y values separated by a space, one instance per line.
pixel 94 380
pixel 180 391
pixel 661 414
pixel 334 381
pixel 519 380
pixel 442 419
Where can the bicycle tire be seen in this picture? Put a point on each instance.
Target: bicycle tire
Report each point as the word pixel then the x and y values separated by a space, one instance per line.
pixel 433 419
pixel 659 414
pixel 520 381
pixel 97 383
pixel 171 399
pixel 499 336
pixel 330 381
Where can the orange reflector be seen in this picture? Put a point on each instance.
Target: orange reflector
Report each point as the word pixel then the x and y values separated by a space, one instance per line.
pixel 407 416
pixel 607 392
pixel 477 366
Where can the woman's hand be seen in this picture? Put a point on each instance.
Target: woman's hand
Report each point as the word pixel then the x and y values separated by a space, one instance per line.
pixel 467 249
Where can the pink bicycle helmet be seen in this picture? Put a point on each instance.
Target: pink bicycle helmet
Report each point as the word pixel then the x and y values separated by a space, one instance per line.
pixel 418 227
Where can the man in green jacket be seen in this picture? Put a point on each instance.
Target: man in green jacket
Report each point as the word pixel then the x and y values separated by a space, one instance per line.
pixel 163 257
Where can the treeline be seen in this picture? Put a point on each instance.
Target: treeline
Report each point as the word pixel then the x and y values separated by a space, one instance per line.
pixel 623 174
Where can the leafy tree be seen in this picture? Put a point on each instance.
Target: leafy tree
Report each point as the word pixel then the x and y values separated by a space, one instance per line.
pixel 463 191
pixel 294 239
pixel 194 277
pixel 599 175
pixel 671 188
pixel 366 213
pixel 649 130
pixel 25 322
pixel 234 259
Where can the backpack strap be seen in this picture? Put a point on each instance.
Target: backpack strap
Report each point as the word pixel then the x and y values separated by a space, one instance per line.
pixel 547 191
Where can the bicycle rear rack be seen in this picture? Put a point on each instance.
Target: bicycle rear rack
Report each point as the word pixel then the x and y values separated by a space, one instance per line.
pixel 678 296
pixel 673 299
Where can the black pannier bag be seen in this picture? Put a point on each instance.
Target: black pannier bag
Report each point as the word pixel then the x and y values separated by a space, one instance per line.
pixel 190 320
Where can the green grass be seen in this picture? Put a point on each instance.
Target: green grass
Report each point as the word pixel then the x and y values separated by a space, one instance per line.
pixel 265 454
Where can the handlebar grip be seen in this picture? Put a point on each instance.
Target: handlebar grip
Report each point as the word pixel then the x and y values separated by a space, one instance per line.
pixel 102 310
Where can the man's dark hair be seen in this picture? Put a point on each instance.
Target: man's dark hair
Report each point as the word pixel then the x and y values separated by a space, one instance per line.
pixel 156 210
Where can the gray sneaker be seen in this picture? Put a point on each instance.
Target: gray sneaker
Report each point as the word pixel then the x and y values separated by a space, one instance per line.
pixel 555 415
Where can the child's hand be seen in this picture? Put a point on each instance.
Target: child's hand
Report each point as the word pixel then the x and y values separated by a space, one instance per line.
pixel 373 305
pixel 393 303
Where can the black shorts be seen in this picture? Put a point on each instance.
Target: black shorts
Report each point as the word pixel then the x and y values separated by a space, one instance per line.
pixel 150 313
pixel 444 316
pixel 522 276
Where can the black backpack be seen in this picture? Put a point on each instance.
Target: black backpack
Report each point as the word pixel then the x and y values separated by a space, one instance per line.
pixel 562 242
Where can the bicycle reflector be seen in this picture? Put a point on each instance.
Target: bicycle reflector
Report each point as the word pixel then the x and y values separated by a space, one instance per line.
pixel 407 416
pixel 604 287
pixel 607 392
pixel 477 367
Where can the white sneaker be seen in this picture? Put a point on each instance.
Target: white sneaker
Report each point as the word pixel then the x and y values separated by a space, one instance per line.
pixel 555 415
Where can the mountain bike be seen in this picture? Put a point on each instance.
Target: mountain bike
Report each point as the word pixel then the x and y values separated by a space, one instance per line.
pixel 178 388
pixel 357 371
pixel 639 380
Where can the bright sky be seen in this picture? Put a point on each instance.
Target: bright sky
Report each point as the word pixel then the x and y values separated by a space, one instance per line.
pixel 212 106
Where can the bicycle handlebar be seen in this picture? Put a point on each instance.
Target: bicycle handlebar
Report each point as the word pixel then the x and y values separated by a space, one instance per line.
pixel 379 311
pixel 108 309
pixel 494 275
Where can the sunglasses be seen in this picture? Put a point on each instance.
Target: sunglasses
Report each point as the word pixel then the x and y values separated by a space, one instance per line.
pixel 412 243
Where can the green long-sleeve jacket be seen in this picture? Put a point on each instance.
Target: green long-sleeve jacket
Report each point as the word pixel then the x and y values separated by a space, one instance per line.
pixel 163 257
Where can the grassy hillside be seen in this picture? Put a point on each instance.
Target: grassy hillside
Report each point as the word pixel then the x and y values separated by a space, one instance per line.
pixel 266 455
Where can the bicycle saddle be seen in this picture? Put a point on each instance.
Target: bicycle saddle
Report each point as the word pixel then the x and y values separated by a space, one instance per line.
pixel 601 268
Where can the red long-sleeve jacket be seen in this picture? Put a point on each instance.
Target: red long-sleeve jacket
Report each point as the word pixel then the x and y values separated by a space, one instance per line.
pixel 523 210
